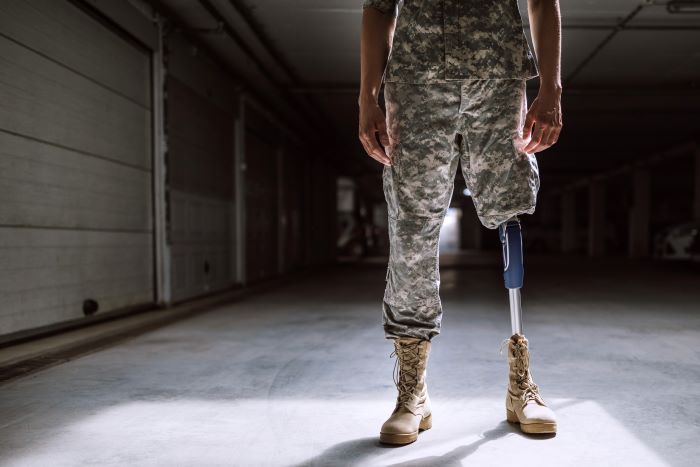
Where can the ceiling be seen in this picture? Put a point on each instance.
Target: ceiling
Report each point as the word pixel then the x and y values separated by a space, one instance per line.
pixel 631 74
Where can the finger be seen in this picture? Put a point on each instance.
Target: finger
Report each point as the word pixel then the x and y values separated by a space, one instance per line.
pixel 363 141
pixel 383 161
pixel 542 145
pixel 383 134
pixel 549 139
pixel 373 149
pixel 381 157
pixel 552 137
pixel 538 141
pixel 370 142
pixel 536 138
pixel 546 137
pixel 527 126
pixel 377 151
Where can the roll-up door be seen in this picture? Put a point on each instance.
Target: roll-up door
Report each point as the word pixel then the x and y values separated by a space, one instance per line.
pixel 200 115
pixel 261 148
pixel 75 166
pixel 200 183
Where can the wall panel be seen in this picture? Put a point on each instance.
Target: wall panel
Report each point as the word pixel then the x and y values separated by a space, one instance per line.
pixel 75 166
pixel 200 133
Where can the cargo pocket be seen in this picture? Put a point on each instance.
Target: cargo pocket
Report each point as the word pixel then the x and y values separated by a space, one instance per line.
pixel 413 276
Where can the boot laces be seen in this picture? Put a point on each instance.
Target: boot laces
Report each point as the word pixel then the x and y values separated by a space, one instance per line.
pixel 529 391
pixel 405 373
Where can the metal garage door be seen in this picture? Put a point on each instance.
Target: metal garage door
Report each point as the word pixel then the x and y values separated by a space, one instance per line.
pixel 200 127
pixel 261 197
pixel 200 184
pixel 75 166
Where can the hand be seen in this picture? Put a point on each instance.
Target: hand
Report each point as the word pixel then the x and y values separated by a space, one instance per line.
pixel 543 122
pixel 372 122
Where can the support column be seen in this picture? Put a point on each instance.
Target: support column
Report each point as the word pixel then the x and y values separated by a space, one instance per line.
pixel 568 221
pixel 160 148
pixel 239 187
pixel 281 213
pixel 696 184
pixel 640 214
pixel 596 218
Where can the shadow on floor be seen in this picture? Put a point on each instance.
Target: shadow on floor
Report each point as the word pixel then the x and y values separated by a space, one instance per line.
pixel 362 451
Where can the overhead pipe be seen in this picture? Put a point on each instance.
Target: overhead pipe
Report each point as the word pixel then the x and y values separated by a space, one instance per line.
pixel 239 82
pixel 310 111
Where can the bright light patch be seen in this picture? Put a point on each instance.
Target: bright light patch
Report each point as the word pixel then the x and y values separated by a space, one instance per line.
pixel 344 431
pixel 449 231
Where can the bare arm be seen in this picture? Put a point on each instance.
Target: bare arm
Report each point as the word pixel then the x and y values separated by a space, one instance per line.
pixel 544 119
pixel 375 44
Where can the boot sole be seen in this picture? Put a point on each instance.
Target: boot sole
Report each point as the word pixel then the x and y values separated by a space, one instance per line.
pixel 532 428
pixel 406 438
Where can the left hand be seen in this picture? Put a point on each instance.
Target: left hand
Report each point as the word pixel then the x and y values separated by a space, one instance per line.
pixel 543 122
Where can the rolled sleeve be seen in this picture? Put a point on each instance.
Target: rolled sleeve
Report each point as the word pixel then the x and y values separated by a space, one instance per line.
pixel 388 7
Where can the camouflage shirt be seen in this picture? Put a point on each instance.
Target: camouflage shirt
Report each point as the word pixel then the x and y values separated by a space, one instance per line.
pixel 441 40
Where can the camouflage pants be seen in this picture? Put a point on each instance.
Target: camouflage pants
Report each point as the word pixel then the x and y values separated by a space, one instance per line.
pixel 431 127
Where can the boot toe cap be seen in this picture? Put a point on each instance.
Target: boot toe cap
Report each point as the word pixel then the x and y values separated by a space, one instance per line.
pixel 400 423
pixel 535 413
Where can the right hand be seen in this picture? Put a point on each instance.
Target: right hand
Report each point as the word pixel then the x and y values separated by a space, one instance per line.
pixel 373 124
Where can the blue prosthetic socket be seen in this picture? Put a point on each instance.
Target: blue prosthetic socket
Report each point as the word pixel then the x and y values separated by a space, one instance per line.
pixel 513 270
pixel 512 242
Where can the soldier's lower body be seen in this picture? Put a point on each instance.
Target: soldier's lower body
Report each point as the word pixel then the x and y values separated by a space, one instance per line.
pixel 433 127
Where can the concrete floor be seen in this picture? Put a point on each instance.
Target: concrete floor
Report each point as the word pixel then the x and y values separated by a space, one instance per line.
pixel 302 376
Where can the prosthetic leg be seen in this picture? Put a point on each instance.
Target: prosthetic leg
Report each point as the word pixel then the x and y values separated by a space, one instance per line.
pixel 524 404
pixel 513 270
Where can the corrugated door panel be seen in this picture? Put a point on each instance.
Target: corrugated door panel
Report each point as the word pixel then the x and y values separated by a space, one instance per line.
pixel 43 100
pixel 53 29
pixel 75 166
pixel 261 205
pixel 200 183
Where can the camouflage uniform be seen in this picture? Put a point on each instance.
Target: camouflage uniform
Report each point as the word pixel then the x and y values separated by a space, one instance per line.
pixel 454 91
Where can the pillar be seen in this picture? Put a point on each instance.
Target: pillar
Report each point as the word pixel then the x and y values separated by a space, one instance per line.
pixel 696 183
pixel 596 218
pixel 239 168
pixel 163 264
pixel 568 221
pixel 640 214
pixel 281 213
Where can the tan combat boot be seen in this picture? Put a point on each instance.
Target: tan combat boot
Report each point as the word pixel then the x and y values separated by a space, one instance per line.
pixel 412 412
pixel 524 404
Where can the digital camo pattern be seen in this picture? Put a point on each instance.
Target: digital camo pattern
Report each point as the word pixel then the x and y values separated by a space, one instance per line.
pixel 443 40
pixel 431 128
pixel 388 7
